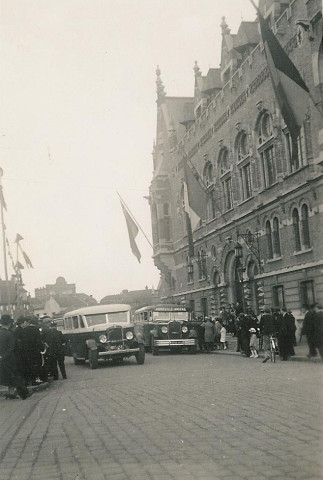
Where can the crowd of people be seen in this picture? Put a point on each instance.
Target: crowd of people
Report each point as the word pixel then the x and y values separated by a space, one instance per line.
pixel 253 331
pixel 31 352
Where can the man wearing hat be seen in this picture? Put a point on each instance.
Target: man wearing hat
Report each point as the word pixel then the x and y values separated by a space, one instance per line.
pixel 8 366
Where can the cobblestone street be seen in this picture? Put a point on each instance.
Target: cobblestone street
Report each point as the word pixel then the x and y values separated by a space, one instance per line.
pixel 177 417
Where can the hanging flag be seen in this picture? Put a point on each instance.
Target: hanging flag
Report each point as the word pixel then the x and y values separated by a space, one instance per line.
pixel 2 200
pixel 290 89
pixel 195 197
pixel 132 231
pixel 27 259
pixel 18 238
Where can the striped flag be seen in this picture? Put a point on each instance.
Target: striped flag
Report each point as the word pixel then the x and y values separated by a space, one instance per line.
pixel 195 201
pixel 290 89
pixel 132 231
pixel 27 259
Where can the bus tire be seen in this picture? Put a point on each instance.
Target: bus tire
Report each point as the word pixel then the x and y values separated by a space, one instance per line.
pixel 93 359
pixel 140 356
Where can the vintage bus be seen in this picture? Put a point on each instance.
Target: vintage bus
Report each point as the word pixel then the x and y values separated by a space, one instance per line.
pixel 102 332
pixel 166 326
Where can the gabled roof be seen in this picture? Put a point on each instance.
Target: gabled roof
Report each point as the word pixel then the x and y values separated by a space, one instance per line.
pixel 212 81
pixel 248 34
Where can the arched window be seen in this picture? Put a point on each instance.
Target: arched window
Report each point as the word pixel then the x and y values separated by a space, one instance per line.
pixel 276 238
pixel 242 146
pixel 208 174
pixel 297 235
pixel 266 150
pixel 203 264
pixel 223 160
pixel 269 240
pixel 305 227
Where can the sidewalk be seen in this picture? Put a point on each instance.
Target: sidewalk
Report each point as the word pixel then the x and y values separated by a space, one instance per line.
pixel 301 351
pixel 33 389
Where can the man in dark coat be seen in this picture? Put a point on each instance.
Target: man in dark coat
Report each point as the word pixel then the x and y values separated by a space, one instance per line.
pixel 308 330
pixel 9 375
pixel 318 328
pixel 18 333
pixel 58 350
pixel 32 347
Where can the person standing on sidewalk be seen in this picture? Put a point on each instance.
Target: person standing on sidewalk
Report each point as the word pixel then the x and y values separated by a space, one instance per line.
pixel 308 330
pixel 318 328
pixel 9 375
pixel 209 332
pixel 267 328
pixel 58 350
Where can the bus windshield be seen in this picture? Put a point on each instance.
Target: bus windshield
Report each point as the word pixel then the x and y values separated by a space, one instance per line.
pixel 102 318
pixel 180 316
pixel 161 316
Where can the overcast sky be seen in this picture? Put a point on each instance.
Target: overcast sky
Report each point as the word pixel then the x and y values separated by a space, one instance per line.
pixel 78 121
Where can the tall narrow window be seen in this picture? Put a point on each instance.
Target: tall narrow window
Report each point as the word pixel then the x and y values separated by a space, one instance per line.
pixel 245 180
pixel 305 227
pixel 203 264
pixel 300 160
pixel 266 150
pixel 276 238
pixel 227 187
pixel 297 235
pixel 269 240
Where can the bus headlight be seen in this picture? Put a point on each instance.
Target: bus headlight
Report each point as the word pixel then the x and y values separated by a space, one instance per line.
pixel 164 329
pixel 184 329
pixel 129 335
pixel 103 338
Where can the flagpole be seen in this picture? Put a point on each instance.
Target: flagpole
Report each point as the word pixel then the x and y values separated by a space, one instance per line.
pixel 4 248
pixel 133 218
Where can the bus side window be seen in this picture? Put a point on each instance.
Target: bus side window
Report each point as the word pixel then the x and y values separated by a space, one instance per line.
pixel 75 322
pixel 150 316
pixel 145 316
pixel 81 322
pixel 68 323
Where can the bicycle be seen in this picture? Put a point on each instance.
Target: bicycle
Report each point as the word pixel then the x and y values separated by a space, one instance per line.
pixel 273 343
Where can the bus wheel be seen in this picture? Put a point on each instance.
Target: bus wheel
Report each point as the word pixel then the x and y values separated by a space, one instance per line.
pixel 93 359
pixel 154 348
pixel 140 356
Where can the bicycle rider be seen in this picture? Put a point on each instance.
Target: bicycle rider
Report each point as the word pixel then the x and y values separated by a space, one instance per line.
pixel 267 328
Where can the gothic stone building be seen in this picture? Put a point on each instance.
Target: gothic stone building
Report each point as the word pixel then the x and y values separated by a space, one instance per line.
pixel 260 241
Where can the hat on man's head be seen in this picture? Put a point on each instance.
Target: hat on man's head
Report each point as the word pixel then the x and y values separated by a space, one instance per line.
pixel 33 321
pixel 5 320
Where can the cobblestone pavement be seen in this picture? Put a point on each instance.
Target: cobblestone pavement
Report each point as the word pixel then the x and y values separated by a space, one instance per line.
pixel 177 417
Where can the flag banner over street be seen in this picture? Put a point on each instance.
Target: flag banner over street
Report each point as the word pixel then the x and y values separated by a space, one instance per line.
pixel 132 232
pixel 290 89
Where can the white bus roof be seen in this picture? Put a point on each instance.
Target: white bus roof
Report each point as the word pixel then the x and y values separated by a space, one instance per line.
pixel 96 309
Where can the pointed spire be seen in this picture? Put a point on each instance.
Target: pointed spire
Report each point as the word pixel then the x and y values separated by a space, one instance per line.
pixel 161 94
pixel 196 69
pixel 224 27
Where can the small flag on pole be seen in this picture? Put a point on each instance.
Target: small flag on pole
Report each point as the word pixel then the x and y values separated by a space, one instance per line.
pixel 18 238
pixel 290 89
pixel 27 259
pixel 19 266
pixel 132 231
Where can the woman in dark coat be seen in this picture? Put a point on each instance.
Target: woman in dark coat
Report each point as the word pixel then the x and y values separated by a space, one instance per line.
pixel 287 335
pixel 209 332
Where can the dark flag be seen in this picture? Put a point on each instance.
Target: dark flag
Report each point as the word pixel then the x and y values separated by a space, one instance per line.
pixel 18 238
pixel 132 232
pixel 290 89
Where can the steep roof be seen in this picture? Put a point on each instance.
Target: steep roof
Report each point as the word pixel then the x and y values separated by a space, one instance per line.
pixel 212 81
pixel 248 34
